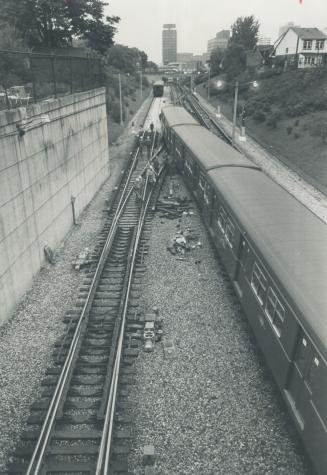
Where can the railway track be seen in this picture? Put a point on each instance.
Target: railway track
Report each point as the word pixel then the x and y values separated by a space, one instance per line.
pixel 191 103
pixel 81 423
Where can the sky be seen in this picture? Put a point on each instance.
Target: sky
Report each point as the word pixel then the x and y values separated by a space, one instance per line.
pixel 199 20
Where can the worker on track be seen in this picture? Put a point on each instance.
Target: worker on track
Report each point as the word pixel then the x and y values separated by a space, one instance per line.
pixel 138 187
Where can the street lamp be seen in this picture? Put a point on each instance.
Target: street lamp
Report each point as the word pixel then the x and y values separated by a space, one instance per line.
pixel 221 84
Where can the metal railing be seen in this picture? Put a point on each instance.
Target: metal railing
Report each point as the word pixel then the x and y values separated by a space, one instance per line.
pixel 31 77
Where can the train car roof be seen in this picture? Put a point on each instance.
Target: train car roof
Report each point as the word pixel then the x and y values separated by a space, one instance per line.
pixel 176 115
pixel 291 238
pixel 210 150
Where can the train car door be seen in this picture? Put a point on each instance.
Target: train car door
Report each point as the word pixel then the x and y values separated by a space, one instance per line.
pixel 208 198
pixel 242 254
pixel 297 391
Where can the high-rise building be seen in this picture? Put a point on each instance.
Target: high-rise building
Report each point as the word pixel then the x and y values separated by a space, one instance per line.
pixel 169 43
pixel 219 41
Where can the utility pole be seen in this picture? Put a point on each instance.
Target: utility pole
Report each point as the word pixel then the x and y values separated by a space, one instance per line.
pixel 235 112
pixel 120 101
pixel 141 81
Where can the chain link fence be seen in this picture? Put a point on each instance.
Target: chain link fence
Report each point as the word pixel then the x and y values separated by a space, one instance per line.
pixel 30 77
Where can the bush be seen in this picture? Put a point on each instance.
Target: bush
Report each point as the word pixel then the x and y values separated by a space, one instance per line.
pixel 289 130
pixel 259 116
pixel 115 112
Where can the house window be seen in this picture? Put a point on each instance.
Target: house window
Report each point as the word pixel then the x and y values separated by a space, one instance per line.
pixel 286 50
pixel 259 283
pixel 275 311
pixel 307 44
pixel 309 60
pixel 320 44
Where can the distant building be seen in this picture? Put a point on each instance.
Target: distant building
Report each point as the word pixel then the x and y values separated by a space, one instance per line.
pixel 184 57
pixel 283 29
pixel 169 43
pixel 264 40
pixel 219 41
pixel 303 47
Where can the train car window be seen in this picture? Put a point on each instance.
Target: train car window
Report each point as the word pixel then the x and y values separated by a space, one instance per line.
pixel 314 374
pixel 258 283
pixel 188 166
pixel 202 182
pixel 230 231
pixel 301 354
pixel 275 311
pixel 222 218
pixel 207 193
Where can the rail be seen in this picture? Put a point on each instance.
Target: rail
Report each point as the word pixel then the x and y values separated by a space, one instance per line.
pixel 36 460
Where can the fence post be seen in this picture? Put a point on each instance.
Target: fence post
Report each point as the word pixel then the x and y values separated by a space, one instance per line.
pixel 7 99
pixel 33 79
pixel 54 76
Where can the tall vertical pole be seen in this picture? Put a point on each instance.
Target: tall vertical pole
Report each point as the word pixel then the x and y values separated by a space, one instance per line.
pixel 235 112
pixel 141 83
pixel 71 73
pixel 54 75
pixel 209 82
pixel 120 101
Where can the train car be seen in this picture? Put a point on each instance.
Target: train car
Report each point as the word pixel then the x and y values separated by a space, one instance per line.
pixel 275 252
pixel 199 151
pixel 158 89
pixel 172 116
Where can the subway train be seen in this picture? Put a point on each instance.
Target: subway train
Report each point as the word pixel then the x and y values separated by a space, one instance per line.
pixel 275 252
pixel 158 89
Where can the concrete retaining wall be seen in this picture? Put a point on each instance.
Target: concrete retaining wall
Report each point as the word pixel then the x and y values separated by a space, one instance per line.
pixel 63 153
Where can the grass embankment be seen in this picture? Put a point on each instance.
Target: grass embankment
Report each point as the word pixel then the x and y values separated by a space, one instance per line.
pixel 131 100
pixel 287 114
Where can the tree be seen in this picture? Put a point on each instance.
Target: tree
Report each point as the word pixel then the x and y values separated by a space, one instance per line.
pixel 125 59
pixel 54 23
pixel 216 59
pixel 245 32
pixel 234 62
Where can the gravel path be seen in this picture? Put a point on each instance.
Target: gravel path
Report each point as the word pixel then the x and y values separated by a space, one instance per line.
pixel 26 341
pixel 213 408
pixel 291 181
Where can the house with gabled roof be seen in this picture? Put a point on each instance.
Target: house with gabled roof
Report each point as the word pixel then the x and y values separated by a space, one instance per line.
pixel 303 47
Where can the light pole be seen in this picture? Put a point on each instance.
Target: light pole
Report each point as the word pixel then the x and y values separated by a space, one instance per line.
pixel 120 101
pixel 209 82
pixel 235 112
pixel 141 81
pixel 255 84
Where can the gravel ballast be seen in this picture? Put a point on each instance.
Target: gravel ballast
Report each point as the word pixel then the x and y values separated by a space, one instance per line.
pixel 27 339
pixel 213 408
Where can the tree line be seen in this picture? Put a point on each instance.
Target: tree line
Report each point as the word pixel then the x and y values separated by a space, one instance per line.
pixel 232 61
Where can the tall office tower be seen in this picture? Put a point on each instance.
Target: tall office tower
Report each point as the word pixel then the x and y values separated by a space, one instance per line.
pixel 169 44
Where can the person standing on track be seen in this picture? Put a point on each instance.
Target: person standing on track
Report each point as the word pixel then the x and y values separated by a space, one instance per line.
pixel 141 143
pixel 148 145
